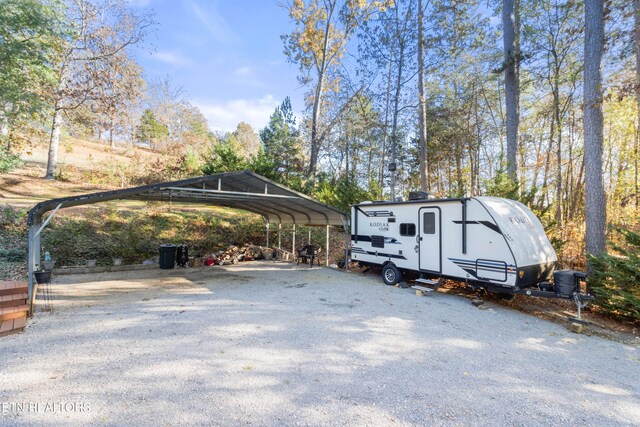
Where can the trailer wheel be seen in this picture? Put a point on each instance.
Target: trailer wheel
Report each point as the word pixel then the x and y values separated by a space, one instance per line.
pixel 390 274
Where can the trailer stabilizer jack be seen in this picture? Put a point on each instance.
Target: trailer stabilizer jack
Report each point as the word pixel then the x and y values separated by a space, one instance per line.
pixel 581 300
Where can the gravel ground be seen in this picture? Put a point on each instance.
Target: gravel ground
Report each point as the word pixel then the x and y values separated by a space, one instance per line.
pixel 274 344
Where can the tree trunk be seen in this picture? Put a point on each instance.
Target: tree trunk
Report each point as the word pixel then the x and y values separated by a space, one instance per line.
pixel 394 122
pixel 111 144
pixel 346 154
pixel 511 84
pixel 578 189
pixel 4 127
pixel 369 161
pixel 636 32
pixel 568 176
pixel 385 135
pixel 315 119
pixel 558 122
pixel 424 165
pixel 54 142
pixel 596 215
pixel 538 164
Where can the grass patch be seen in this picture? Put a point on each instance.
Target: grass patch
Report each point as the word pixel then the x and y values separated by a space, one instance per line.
pixel 135 235
pixel 77 234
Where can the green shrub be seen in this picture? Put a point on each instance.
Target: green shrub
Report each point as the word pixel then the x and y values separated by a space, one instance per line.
pixel 10 217
pixel 615 280
pixel 341 192
pixel 13 255
pixel 223 157
pixel 8 160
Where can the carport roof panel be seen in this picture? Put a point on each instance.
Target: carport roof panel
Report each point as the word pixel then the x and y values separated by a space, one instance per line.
pixel 240 190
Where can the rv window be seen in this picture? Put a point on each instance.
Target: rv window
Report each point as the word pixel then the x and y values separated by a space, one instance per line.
pixel 407 229
pixel 429 223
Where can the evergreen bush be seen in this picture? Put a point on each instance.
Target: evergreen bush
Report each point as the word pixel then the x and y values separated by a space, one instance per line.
pixel 615 280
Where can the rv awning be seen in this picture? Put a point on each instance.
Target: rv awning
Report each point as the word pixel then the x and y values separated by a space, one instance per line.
pixel 240 190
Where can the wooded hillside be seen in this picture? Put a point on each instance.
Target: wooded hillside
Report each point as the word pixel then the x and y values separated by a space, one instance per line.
pixel 532 100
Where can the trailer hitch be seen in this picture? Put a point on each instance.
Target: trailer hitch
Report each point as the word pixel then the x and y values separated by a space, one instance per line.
pixel 568 284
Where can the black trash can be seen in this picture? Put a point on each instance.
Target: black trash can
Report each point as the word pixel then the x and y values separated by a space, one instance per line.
pixel 167 256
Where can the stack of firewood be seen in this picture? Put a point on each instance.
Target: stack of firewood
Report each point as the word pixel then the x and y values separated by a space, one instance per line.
pixel 234 254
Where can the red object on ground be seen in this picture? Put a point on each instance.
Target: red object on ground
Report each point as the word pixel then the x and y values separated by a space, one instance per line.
pixel 210 261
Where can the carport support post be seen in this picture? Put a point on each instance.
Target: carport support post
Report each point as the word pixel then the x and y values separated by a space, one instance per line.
pixel 293 240
pixel 279 235
pixel 327 257
pixel 309 242
pixel 347 238
pixel 267 245
pixel 33 260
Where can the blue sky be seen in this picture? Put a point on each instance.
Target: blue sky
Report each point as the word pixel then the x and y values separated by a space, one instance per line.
pixel 226 54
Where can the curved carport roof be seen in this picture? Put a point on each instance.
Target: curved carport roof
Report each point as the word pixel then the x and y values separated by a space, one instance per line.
pixel 239 190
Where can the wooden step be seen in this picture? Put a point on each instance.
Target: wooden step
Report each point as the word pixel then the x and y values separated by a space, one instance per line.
pixel 427 282
pixel 13 300
pixel 8 313
pixel 12 326
pixel 13 287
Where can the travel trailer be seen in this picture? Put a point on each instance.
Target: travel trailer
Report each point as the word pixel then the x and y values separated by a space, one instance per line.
pixel 488 242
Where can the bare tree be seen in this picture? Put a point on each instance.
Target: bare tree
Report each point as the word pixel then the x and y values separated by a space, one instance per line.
pixel 401 36
pixel 323 29
pixel 596 214
pixel 100 30
pixel 557 35
pixel 119 94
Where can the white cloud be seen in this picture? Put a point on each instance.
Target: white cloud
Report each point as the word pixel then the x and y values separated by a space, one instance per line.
pixel 225 115
pixel 172 58
pixel 215 23
pixel 243 71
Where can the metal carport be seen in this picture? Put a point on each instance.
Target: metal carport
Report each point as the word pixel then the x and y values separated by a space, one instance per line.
pixel 244 190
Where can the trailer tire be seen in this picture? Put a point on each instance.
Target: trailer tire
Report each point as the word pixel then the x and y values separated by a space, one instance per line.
pixel 390 274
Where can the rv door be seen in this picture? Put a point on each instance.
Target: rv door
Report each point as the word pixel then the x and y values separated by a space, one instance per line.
pixel 429 239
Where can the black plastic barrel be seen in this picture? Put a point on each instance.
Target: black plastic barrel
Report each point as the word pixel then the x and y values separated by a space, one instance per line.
pixel 564 282
pixel 167 256
pixel 182 255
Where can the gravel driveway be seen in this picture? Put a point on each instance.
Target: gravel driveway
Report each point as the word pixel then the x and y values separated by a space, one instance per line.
pixel 273 344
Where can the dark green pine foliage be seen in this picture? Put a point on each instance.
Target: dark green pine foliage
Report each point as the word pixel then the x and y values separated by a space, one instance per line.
pixel 224 157
pixel 616 277
pixel 281 141
pixel 150 130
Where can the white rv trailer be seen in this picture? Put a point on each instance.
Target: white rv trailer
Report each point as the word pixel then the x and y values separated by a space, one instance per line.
pixel 489 242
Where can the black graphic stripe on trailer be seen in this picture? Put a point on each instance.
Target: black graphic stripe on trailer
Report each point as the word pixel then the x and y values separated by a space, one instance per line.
pixel 487 224
pixel 377 213
pixel 373 253
pixel 383 255
pixel 497 266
